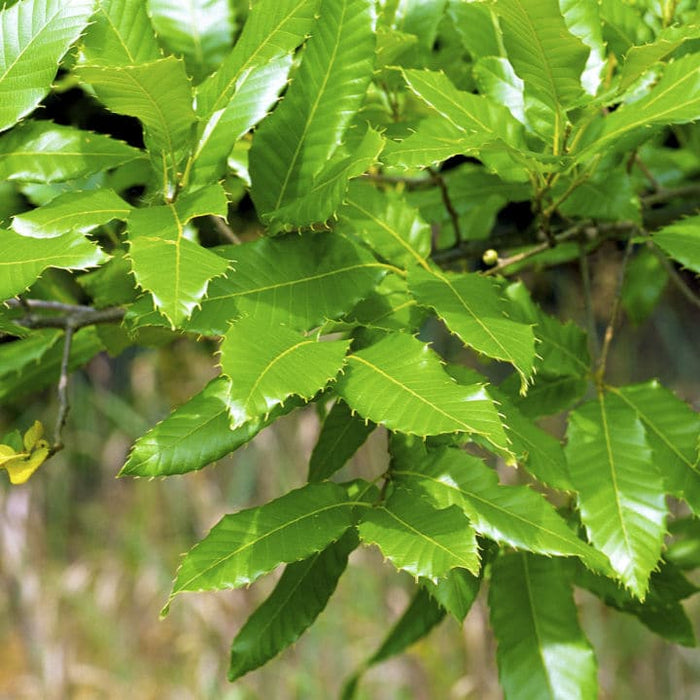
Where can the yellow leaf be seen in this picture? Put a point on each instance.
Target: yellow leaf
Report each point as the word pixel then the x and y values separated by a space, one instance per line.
pixel 22 466
pixel 32 436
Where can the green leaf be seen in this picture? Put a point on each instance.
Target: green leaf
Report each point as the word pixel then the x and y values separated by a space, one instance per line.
pixel 299 597
pixel 421 615
pixel 548 58
pixel 40 151
pixel 498 81
pixel 244 546
pixel 398 382
pixel 513 515
pixel 386 223
pixel 323 276
pixel 73 211
pixel 16 356
pixel 418 538
pixel 120 34
pixel 620 491
pixel 160 95
pixel 609 196
pixel 201 31
pixel 681 240
pixel 550 394
pixel 474 309
pixel 35 35
pixel 239 94
pixel 23 259
pixel 292 146
pixel 456 592
pixel 542 651
pixel 268 362
pixel 174 269
pixel 644 284
pixel 111 284
pixel 672 430
pixel 582 18
pixel 342 433
pixel 475 25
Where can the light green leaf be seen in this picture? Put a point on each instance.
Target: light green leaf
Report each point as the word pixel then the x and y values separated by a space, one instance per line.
pixel 268 362
pixel 421 615
pixel 201 31
pixel 386 223
pixel 548 58
pixel 474 22
pixel 342 433
pixel 299 597
pixel 672 430
pixel 498 81
pixel 542 651
pixel 474 309
pixel 35 35
pixel 621 496
pixel 293 145
pixel 73 211
pixel 160 95
pixel 244 546
pixel 244 88
pixel 40 151
pixel 456 592
pixel 194 435
pixel 16 356
pixel 23 259
pixel 324 275
pixel 418 538
pixel 513 515
pixel 582 18
pixel 608 196
pixel 120 34
pixel 398 382
pixel 681 240
pixel 174 269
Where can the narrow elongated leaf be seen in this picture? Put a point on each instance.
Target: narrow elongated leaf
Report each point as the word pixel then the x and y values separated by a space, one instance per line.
pixel 73 211
pixel 548 58
pixel 421 615
pixel 513 515
pixel 299 597
pixel 40 151
pixel 420 539
pixel 681 241
pixel 120 34
pixel 157 93
pixel 194 435
pixel 323 276
pixel 19 354
pixel 242 90
pixel 246 545
pixel 672 430
pixel 35 34
pixel 292 146
pixel 542 651
pixel 473 308
pixel 200 30
pixel 23 259
pixel 398 382
pixel 268 362
pixel 620 489
pixel 386 223
pixel 174 269
pixel 342 433
pixel 456 592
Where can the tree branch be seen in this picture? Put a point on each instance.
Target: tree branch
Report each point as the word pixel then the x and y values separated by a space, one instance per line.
pixel 74 316
pixel 454 216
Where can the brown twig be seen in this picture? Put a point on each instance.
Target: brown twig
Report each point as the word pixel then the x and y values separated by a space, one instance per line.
pixel 62 390
pixel 593 344
pixel 224 230
pixel 664 195
pixel 447 201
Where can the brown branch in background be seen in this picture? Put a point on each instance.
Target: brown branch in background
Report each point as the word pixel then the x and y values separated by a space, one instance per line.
pixel 610 329
pixel 62 390
pixel 664 195
pixel 593 343
pixel 410 182
pixel 447 201
pixel 224 230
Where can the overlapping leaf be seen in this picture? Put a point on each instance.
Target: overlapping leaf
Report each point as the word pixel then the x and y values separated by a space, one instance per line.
pixel 323 276
pixel 621 495
pixel 299 596
pixel 174 269
pixel 246 545
pixel 23 259
pixel 268 362
pixel 473 308
pixel 681 240
pixel 456 592
pixel 542 651
pixel 418 538
pixel 40 151
pixel 73 211
pixel 398 382
pixel 247 84
pixel 35 34
pixel 513 515
pixel 292 146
